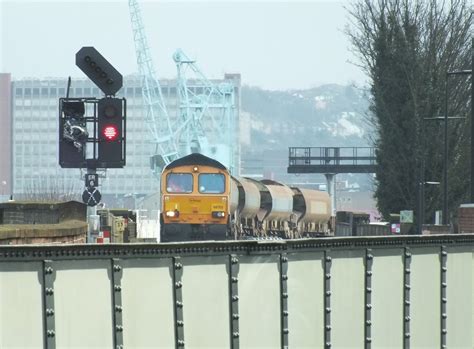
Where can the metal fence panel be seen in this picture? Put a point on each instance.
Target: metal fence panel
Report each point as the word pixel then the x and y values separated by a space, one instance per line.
pixel 21 323
pixel 459 298
pixel 347 299
pixel 259 302
pixel 425 302
pixel 387 298
pixel 306 300
pixel 83 307
pixel 147 303
pixel 340 292
pixel 206 302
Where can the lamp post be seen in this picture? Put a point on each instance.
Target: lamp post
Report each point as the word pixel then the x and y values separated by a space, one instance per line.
pixel 421 193
pixel 445 154
pixel 472 121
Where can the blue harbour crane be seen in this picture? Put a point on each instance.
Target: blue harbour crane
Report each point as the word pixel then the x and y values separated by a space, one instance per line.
pixel 157 117
pixel 207 113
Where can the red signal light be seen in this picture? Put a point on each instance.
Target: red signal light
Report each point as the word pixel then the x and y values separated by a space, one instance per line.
pixel 110 132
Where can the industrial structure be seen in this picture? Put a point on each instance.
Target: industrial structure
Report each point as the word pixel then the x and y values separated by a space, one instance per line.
pixel 331 161
pixel 157 118
pixel 206 119
pixel 207 114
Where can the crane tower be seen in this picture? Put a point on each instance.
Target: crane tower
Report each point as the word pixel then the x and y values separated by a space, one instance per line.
pixel 206 115
pixel 157 118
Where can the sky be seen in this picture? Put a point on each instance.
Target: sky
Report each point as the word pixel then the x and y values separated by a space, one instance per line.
pixel 276 45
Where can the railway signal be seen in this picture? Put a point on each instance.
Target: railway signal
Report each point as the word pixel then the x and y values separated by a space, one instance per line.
pixel 111 135
pixel 92 130
pixel 103 118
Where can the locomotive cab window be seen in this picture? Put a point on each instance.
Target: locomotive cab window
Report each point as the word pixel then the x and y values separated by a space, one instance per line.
pixel 179 183
pixel 211 183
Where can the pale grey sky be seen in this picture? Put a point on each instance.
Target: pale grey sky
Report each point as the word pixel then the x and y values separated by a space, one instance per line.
pixel 273 44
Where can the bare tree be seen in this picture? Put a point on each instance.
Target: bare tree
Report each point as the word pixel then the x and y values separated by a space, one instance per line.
pixel 52 188
pixel 406 47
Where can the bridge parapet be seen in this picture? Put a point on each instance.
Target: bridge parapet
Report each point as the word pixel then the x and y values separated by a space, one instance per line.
pixel 28 222
pixel 350 291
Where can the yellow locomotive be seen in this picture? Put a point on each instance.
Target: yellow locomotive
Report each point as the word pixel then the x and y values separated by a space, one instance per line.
pixel 195 193
pixel 202 201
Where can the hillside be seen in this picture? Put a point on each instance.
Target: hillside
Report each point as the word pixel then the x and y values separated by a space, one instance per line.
pixel 329 115
pixel 325 116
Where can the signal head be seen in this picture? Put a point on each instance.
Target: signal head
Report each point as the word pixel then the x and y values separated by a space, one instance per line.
pixel 110 133
pixel 99 70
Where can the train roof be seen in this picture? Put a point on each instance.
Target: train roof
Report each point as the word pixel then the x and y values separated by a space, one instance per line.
pixel 271 182
pixel 195 159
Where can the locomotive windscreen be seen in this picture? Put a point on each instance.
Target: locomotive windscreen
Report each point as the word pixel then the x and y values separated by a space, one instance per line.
pixel 179 183
pixel 211 183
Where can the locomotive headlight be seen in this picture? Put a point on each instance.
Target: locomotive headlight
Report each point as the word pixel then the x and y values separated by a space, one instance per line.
pixel 218 214
pixel 172 213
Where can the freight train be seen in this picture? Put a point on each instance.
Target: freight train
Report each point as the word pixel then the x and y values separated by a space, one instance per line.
pixel 202 201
